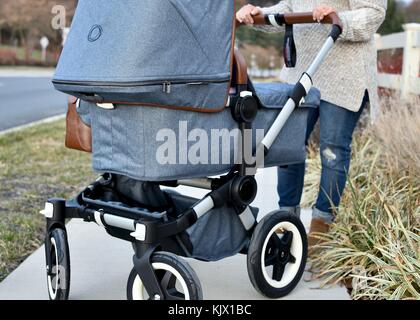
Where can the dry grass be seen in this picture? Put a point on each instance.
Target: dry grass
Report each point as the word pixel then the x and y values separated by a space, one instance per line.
pixel 398 132
pixel 375 242
pixel 34 166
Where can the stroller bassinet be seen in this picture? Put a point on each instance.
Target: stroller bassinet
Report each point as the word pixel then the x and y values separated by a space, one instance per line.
pixel 127 66
pixel 126 139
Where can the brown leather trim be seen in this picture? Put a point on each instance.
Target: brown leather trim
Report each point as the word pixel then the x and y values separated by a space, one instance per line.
pixel 156 105
pixel 72 100
pixel 300 18
pixel 78 134
pixel 241 68
pixel 232 56
pixel 307 17
pixel 258 20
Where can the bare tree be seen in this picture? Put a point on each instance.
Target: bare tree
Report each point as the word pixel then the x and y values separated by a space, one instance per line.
pixel 30 20
pixel 412 12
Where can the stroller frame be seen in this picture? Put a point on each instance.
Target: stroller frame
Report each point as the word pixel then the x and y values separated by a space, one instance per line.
pixel 153 231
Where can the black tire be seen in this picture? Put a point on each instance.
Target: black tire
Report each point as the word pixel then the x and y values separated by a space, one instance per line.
pixel 161 260
pixel 58 272
pixel 286 254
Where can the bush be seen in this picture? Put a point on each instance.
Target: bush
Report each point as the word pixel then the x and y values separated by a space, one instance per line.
pixel 375 242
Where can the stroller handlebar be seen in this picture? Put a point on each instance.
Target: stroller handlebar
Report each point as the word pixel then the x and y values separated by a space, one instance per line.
pixel 296 18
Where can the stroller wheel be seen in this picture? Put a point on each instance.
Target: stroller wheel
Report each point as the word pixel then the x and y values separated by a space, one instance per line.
pixel 58 264
pixel 277 254
pixel 177 279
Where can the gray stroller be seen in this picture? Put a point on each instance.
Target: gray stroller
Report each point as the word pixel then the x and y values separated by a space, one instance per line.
pixel 150 81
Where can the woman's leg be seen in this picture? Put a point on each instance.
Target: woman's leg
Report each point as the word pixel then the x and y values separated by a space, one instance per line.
pixel 291 178
pixel 337 127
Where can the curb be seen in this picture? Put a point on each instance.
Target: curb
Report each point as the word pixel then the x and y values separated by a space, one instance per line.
pixel 32 124
pixel 6 72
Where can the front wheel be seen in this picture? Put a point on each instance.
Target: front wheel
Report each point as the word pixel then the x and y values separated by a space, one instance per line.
pixel 58 264
pixel 177 280
pixel 277 254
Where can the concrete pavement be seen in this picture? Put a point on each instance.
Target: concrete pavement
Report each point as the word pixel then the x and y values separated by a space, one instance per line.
pixel 101 264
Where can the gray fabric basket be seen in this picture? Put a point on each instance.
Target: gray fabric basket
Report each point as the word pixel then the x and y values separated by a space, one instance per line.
pixel 173 53
pixel 124 139
pixel 216 235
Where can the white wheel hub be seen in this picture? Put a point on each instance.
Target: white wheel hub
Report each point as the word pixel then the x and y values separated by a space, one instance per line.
pixel 139 291
pixel 296 249
pixel 53 289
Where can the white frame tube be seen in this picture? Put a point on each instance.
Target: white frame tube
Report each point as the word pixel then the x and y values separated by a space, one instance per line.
pixel 290 106
pixel 203 206
pixel 325 50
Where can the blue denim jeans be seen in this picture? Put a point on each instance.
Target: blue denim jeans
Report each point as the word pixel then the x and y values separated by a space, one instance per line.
pixel 336 132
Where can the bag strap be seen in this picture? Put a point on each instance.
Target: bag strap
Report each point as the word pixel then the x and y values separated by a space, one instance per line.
pixel 289 51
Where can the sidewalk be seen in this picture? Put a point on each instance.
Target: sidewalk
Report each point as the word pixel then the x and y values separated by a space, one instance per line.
pixel 26 72
pixel 101 264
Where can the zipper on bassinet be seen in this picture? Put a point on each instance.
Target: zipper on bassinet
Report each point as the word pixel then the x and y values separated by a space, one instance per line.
pixel 167 87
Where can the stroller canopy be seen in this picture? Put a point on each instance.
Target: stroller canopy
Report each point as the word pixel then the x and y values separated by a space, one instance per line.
pixel 173 53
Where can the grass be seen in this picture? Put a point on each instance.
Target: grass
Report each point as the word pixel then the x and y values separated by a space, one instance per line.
pixel 34 166
pixel 375 243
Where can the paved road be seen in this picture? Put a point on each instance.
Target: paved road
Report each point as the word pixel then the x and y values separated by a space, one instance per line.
pixel 28 99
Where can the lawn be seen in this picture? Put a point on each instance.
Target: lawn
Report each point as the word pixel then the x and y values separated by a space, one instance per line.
pixel 34 166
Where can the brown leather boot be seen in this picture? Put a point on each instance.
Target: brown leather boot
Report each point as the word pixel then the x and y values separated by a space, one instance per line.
pixel 317 226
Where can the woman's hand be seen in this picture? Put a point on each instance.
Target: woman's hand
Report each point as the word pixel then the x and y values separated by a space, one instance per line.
pixel 321 12
pixel 245 14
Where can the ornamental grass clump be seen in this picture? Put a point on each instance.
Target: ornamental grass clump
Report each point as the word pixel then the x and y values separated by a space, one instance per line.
pixel 374 246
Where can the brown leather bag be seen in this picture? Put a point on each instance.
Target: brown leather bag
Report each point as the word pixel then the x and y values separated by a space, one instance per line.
pixel 78 134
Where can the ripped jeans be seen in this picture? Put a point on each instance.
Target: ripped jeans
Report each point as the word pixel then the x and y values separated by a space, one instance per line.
pixel 336 132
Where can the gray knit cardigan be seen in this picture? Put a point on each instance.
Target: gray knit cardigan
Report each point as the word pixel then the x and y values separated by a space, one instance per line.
pixel 351 68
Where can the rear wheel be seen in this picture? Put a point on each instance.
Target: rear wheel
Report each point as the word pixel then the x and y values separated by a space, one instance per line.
pixel 177 280
pixel 58 264
pixel 277 254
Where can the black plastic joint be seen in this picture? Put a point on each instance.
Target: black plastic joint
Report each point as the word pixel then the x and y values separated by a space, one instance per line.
pixel 243 190
pixel 59 212
pixel 280 19
pixel 186 220
pixel 336 32
pixel 219 197
pixel 298 93
pixel 246 109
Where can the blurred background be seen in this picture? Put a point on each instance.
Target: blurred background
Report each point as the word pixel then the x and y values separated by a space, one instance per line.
pixel 23 23
pixel 265 49
pixel 30 47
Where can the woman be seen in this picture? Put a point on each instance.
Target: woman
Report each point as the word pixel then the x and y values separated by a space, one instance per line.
pixel 347 80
